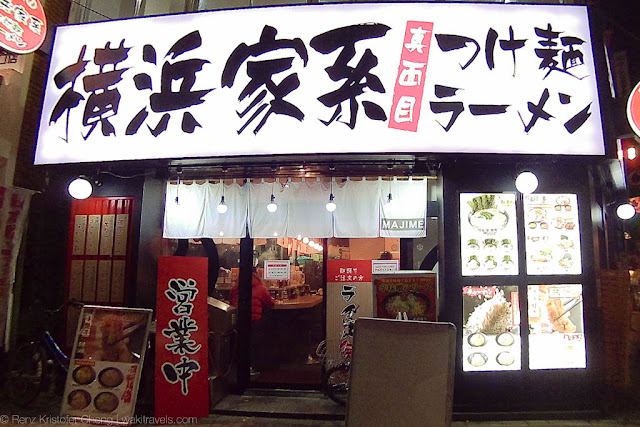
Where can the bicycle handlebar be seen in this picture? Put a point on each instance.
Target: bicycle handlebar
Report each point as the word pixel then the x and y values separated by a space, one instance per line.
pixel 72 302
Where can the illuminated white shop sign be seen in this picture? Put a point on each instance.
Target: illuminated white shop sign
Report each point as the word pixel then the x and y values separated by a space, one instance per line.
pixel 349 78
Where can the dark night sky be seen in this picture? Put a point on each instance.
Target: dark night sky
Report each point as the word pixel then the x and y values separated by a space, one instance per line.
pixel 623 18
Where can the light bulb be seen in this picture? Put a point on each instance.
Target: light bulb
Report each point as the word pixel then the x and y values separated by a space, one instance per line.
pixel 299 237
pixel 272 207
pixel 625 211
pixel 80 188
pixel 305 240
pixel 222 206
pixel 331 205
pixel 527 182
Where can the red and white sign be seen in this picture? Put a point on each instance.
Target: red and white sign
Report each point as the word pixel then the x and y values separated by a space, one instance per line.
pixel 277 270
pixel 407 95
pixel 349 271
pixel 633 109
pixel 349 296
pixel 181 338
pixel 23 25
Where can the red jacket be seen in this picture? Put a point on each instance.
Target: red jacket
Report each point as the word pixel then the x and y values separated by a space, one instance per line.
pixel 260 298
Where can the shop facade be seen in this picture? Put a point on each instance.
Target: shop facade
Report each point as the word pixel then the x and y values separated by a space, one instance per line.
pixel 460 108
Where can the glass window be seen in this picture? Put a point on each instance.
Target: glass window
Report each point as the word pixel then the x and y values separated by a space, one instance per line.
pixel 222 4
pixel 552 234
pixel 491 334
pixel 100 10
pixel 556 337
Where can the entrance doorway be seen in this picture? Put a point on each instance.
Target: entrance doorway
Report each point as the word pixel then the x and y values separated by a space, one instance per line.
pixel 285 333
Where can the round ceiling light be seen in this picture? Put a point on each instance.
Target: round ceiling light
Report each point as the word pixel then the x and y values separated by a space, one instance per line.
pixel 527 182
pixel 80 188
pixel 625 211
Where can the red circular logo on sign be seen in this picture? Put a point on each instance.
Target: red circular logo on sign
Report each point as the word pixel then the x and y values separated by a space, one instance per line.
pixel 633 109
pixel 23 25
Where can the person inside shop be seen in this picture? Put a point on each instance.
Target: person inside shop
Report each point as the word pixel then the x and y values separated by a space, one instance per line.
pixel 261 302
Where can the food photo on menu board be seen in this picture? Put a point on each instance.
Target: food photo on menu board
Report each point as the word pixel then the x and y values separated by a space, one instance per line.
pixel 552 234
pixel 107 361
pixel 488 234
pixel 556 336
pixel 491 331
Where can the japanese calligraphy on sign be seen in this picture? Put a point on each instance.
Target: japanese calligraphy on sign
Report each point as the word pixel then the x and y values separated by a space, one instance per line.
pixel 349 296
pixel 403 77
pixel 181 340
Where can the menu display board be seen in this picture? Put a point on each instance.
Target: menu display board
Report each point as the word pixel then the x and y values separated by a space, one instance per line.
pixel 491 331
pixel 106 363
pixel 552 234
pixel 488 234
pixel 277 269
pixel 556 338
pixel 413 293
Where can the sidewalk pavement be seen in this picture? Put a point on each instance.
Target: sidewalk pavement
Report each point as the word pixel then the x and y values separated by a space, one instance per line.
pixel 312 409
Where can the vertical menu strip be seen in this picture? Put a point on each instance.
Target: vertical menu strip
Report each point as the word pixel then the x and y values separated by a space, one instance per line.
pixel 75 279
pixel 79 235
pixel 106 238
pixel 90 279
pixel 104 281
pixel 121 232
pixel 117 282
pixel 93 235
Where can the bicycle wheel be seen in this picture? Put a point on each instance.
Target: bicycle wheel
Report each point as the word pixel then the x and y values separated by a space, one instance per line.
pixel 26 373
pixel 336 383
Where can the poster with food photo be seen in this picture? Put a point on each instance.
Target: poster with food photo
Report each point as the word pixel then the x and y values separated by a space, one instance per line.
pixel 106 364
pixel 413 293
pixel 552 234
pixel 491 328
pixel 488 234
pixel 556 337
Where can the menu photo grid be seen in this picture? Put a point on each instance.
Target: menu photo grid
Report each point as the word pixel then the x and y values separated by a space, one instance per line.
pixel 488 234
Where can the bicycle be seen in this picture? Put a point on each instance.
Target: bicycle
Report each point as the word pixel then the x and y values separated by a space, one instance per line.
pixel 335 381
pixel 33 362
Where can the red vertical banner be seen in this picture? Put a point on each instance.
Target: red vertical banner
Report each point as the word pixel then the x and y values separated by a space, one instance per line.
pixel 14 210
pixel 409 86
pixel 181 380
